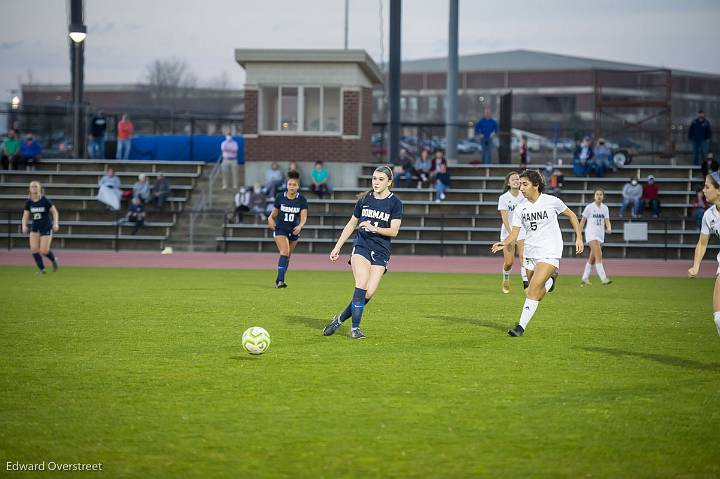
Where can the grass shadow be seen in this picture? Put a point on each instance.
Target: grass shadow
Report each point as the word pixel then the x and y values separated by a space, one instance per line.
pixel 474 322
pixel 247 357
pixel 658 358
pixel 315 324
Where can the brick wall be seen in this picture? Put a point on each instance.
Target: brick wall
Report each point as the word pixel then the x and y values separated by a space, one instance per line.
pixel 351 108
pixel 251 112
pixel 306 148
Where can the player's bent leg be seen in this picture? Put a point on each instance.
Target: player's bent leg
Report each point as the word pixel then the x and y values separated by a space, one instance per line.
pixel 599 267
pixel 45 243
pixel 35 251
pixel 283 247
pixel 509 257
pixel 716 304
pixel 521 257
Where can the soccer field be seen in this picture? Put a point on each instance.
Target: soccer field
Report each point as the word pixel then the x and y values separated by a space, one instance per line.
pixel 142 370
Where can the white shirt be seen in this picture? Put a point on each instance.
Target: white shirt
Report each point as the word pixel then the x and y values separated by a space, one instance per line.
pixel 508 202
pixel 595 225
pixel 539 219
pixel 229 149
pixel 711 223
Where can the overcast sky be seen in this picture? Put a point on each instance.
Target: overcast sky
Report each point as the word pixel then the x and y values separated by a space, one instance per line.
pixel 125 36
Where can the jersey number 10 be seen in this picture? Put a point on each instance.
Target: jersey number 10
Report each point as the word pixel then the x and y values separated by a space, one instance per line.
pixel 289 217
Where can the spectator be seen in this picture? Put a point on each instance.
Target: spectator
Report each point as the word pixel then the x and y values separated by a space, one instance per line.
pixel 10 151
pixel 698 207
pixel 442 182
pixel 229 149
pixel 292 166
pixel 243 202
pixel 581 157
pixel 125 131
pixel 141 189
pixel 485 130
pixel 109 191
pixel 709 165
pixel 135 215
pixel 602 160
pixel 258 203
pixel 406 168
pixel 524 151
pixel 30 151
pixel 553 179
pixel 422 167
pixel 699 134
pixel 650 196
pixel 631 195
pixel 98 126
pixel 273 179
pixel 436 162
pixel 319 177
pixel 160 190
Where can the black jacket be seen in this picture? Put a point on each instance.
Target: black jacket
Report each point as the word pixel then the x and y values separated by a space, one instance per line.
pixel 699 130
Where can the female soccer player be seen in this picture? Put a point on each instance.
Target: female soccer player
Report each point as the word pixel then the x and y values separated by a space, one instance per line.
pixel 287 219
pixel 379 214
pixel 538 216
pixel 710 225
pixel 38 210
pixel 506 205
pixel 596 222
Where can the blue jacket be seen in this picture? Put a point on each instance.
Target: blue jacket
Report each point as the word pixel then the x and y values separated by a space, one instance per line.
pixel 30 151
pixel 486 126
pixel 699 130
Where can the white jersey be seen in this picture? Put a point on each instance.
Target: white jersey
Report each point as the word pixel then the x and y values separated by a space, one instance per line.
pixel 540 221
pixel 595 217
pixel 508 202
pixel 711 224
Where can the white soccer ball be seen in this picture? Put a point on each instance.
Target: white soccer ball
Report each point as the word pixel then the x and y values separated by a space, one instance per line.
pixel 255 340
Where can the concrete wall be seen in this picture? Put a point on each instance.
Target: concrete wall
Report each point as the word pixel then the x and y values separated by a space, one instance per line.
pixel 341 174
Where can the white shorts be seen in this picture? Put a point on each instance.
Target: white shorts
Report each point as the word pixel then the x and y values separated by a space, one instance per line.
pixel 717 273
pixel 521 236
pixel 590 238
pixel 531 262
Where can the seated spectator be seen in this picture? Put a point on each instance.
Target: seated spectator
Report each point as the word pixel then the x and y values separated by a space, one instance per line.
pixel 135 214
pixel 699 205
pixel 709 165
pixel 10 151
pixel 422 167
pixel 30 152
pixel 258 203
pixel 273 179
pixel 553 178
pixel 243 202
pixel 632 196
pixel 141 188
pixel 438 160
pixel 581 157
pixel 602 160
pixel 109 191
pixel 160 190
pixel 442 182
pixel 650 197
pixel 524 152
pixel 319 177
pixel 405 169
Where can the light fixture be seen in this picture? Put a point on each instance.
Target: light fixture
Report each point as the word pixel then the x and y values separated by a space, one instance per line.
pixel 15 102
pixel 78 33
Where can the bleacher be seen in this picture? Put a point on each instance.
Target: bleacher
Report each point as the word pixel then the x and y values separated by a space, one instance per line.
pixel 72 185
pixel 467 222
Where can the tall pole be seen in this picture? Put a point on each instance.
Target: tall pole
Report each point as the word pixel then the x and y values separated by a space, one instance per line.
pixel 78 137
pixel 347 21
pixel 451 118
pixel 394 81
pixel 77 61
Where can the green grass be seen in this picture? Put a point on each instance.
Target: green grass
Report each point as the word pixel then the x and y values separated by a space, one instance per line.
pixel 142 370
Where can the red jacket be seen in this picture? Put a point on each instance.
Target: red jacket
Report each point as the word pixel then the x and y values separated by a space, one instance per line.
pixel 650 191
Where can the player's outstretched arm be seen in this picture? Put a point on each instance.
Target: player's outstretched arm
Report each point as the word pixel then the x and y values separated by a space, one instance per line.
pixel 608 226
pixel 579 246
pixel 271 218
pixel 700 249
pixel 56 219
pixel 25 219
pixel 346 232
pixel 511 239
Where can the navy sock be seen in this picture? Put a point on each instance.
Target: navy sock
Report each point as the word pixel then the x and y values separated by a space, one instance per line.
pixel 50 255
pixel 347 312
pixel 39 261
pixel 358 304
pixel 282 268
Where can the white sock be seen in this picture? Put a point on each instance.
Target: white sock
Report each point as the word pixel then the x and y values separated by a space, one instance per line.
pixel 523 273
pixel 601 271
pixel 548 284
pixel 506 275
pixel 716 316
pixel 586 273
pixel 528 310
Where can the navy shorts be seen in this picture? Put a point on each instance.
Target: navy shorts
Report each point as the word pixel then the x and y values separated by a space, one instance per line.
pixel 43 230
pixel 376 258
pixel 289 234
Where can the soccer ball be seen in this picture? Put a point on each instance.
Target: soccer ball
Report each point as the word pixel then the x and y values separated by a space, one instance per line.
pixel 255 340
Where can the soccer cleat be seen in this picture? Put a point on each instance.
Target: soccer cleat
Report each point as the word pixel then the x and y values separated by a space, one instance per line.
pixel 717 325
pixel 585 282
pixel 54 266
pixel 357 334
pixel 330 328
pixel 526 283
pixel 554 277
pixel 607 281
pixel 280 284
pixel 506 286
pixel 42 271
pixel 516 331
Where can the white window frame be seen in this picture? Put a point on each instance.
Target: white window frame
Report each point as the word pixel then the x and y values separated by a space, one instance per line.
pixel 301 111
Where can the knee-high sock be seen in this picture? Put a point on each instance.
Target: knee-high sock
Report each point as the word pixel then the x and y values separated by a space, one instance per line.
pixel 528 310
pixel 506 274
pixel 601 271
pixel 50 255
pixel 548 284
pixel 586 273
pixel 523 273
pixel 358 304
pixel 38 261
pixel 347 312
pixel 282 268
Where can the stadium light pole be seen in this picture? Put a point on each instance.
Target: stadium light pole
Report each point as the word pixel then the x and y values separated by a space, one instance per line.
pixel 451 119
pixel 393 153
pixel 77 33
pixel 347 21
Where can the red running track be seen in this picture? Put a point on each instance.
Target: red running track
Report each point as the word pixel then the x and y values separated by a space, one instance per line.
pixel 400 263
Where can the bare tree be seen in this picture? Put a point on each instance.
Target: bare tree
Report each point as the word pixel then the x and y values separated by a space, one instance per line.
pixel 169 80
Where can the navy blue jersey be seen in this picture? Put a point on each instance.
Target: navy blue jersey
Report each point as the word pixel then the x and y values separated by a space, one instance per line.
pixel 289 211
pixel 379 213
pixel 40 213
